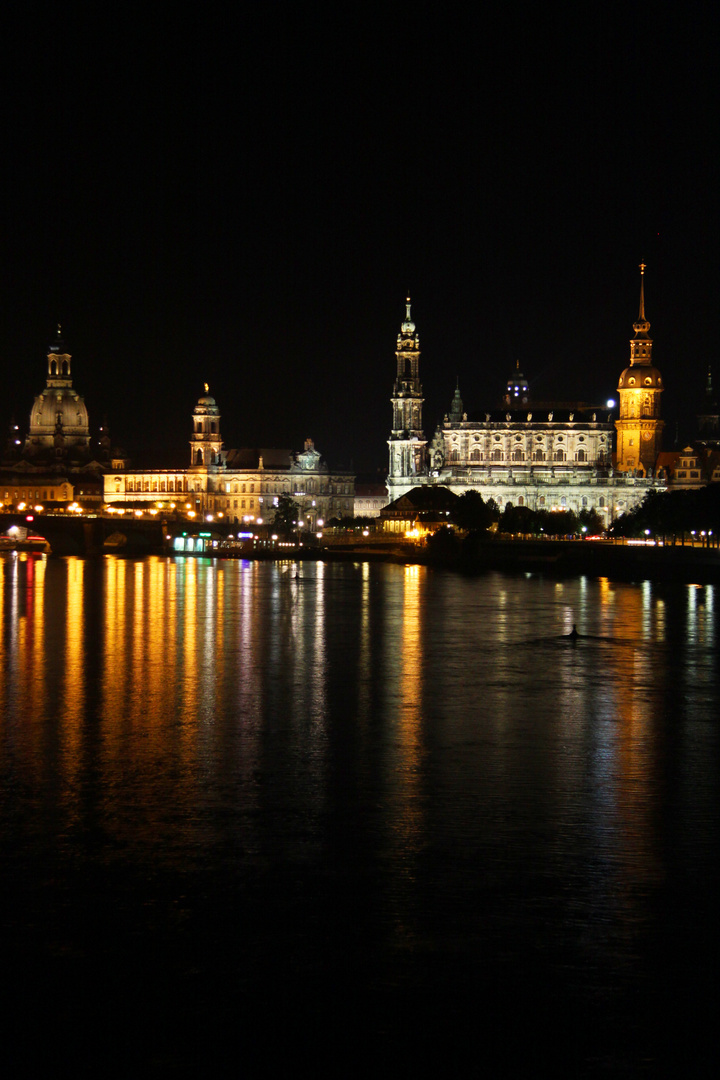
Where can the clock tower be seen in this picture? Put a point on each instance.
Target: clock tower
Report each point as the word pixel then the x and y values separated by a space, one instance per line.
pixel 639 428
pixel 407 441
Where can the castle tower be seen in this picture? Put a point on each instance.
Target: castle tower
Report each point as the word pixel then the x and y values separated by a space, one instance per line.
pixel 639 428
pixel 205 443
pixel 407 441
pixel 58 419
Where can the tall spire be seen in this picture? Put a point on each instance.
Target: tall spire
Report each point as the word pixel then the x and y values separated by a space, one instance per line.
pixel 407 441
pixel 456 409
pixel 642 326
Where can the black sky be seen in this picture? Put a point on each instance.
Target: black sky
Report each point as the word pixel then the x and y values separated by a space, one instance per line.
pixel 243 194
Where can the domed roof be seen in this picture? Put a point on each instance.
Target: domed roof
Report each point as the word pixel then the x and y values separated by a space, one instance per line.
pixel 206 402
pixel 59 406
pixel 641 377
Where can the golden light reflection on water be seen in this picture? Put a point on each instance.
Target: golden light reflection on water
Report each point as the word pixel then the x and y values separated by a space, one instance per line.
pixel 406 818
pixel 175 678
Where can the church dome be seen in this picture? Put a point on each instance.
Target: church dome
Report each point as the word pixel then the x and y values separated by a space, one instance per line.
pixel 59 418
pixel 640 377
pixel 59 406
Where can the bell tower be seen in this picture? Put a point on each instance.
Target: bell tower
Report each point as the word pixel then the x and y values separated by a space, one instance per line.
pixel 639 428
pixel 407 441
pixel 205 443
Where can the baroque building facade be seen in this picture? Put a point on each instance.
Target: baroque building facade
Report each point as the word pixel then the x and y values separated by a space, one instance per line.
pixel 239 486
pixel 543 455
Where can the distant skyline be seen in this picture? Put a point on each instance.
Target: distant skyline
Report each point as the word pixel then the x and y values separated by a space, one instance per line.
pixel 245 197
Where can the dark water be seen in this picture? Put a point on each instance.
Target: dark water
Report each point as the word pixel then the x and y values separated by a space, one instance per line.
pixel 372 820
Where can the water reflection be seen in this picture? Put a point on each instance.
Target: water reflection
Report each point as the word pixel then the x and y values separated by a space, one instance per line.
pixel 411 761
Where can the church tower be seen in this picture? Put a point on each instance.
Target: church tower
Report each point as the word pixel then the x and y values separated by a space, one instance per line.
pixel 407 441
pixel 639 428
pixel 206 444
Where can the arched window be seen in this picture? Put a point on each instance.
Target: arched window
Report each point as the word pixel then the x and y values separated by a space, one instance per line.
pixel 580 456
pixel 602 502
pixel 521 501
pixel 475 454
pixel 199 458
pixel 454 455
pixel 559 455
pixel 539 455
pixel 517 454
pixel 497 454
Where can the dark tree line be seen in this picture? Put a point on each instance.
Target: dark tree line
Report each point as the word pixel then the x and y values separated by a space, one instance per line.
pixel 673 515
pixel 472 513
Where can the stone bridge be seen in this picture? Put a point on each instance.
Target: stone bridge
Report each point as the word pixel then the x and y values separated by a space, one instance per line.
pixel 91 535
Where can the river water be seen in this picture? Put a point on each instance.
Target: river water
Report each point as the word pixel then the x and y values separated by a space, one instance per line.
pixel 356 818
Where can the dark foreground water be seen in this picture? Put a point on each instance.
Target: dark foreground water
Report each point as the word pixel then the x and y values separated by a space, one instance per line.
pixel 372 820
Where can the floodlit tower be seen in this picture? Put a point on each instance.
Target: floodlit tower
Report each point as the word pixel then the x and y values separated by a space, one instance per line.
pixel 639 429
pixel 205 443
pixel 407 440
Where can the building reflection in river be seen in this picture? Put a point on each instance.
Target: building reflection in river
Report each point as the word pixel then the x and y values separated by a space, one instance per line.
pixel 401 779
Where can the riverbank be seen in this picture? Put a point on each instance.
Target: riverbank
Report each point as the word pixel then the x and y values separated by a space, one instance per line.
pixel 559 557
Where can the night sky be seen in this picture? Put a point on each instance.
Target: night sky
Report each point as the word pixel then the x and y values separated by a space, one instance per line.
pixel 242 194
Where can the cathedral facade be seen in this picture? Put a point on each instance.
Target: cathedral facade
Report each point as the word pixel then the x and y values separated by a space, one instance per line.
pixel 543 455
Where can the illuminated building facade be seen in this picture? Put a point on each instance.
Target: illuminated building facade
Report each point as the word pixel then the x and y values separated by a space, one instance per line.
pixel 33 489
pixel 543 455
pixel 239 486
